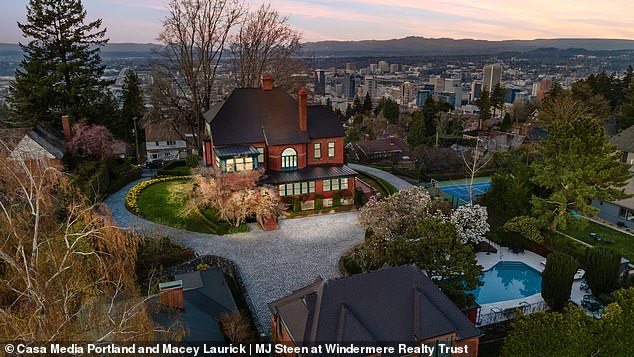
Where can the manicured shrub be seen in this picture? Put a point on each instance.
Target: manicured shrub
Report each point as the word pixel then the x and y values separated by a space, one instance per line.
pixel 336 199
pixel 319 202
pixel 557 279
pixel 297 204
pixel 602 270
pixel 359 197
pixel 191 161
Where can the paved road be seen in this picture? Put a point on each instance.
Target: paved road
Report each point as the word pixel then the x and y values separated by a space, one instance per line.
pixel 396 181
pixel 272 264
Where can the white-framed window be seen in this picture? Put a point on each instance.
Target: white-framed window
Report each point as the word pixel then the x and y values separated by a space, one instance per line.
pixel 171 142
pixel 289 159
pixel 154 156
pixel 261 156
pixel 296 188
pixel 317 150
pixel 335 184
pixel 156 143
pixel 331 149
pixel 626 214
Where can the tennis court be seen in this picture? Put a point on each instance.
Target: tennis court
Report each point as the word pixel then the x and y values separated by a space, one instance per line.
pixel 462 191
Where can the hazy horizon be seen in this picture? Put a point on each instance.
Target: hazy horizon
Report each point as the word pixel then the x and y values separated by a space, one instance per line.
pixel 139 21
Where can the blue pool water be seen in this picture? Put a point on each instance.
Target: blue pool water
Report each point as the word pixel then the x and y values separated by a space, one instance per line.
pixel 508 281
pixel 462 191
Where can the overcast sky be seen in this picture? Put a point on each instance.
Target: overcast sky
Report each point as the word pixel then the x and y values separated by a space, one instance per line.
pixel 140 20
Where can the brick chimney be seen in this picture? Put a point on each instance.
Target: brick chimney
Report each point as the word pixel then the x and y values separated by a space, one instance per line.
pixel 267 82
pixel 171 294
pixel 303 116
pixel 66 127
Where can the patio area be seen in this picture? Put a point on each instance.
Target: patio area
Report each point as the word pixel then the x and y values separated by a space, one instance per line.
pixel 505 310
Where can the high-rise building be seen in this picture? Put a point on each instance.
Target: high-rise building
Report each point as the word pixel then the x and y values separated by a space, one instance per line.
pixel 349 86
pixel 545 86
pixel 370 87
pixel 351 67
pixel 320 82
pixel 408 92
pixel 384 67
pixel 451 84
pixel 373 68
pixel 422 96
pixel 438 82
pixel 453 98
pixel 476 88
pixel 394 68
pixel 492 76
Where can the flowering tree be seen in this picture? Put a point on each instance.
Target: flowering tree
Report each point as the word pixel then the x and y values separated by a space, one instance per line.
pixel 397 213
pixel 89 140
pixel 234 195
pixel 471 223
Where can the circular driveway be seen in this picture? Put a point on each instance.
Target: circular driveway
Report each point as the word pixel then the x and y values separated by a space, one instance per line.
pixel 272 264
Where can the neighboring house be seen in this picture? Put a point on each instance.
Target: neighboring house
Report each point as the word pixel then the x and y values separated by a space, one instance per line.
pixel 387 306
pixel 300 146
pixel 9 139
pixel 43 144
pixel 196 301
pixel 164 142
pixel 621 212
pixel 392 151
pixel 624 141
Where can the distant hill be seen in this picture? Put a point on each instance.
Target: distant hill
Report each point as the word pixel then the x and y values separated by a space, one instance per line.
pixel 446 46
pixel 141 49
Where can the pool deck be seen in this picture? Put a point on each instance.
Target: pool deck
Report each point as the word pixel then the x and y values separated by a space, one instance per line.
pixel 529 258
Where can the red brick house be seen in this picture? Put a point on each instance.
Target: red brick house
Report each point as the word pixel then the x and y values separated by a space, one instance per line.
pixel 300 146
pixel 387 307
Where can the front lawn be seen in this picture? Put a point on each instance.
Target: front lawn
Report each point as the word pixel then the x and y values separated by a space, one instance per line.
pixel 163 203
pixel 622 242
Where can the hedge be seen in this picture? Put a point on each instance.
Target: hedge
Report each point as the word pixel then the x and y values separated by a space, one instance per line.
pixel 132 198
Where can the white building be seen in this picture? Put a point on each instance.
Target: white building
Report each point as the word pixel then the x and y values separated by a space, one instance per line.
pixel 164 142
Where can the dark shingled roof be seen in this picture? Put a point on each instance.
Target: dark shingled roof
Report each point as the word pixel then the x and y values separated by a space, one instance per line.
pixel 309 173
pixel 625 140
pixel 388 305
pixel 49 139
pixel 253 115
pixel 206 297
pixel 235 150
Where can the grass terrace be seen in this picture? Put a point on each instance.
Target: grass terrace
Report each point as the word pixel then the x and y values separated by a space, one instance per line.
pixel 383 187
pixel 163 202
pixel 622 242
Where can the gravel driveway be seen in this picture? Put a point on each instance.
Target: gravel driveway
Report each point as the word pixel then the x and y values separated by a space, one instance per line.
pixel 272 264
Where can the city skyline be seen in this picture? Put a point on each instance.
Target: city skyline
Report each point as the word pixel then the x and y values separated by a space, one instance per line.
pixel 140 21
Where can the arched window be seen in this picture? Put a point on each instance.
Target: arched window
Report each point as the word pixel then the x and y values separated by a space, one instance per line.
pixel 289 159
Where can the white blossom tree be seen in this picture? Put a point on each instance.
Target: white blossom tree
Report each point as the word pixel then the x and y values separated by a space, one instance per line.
pixel 471 223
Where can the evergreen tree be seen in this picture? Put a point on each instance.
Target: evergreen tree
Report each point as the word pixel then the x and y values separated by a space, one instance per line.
pixel 602 269
pixel 496 98
pixel 507 123
pixel 357 106
pixel 133 107
pixel 329 103
pixel 367 103
pixel 557 279
pixel 431 114
pixel 391 110
pixel 61 70
pixel 626 118
pixel 485 105
pixel 417 131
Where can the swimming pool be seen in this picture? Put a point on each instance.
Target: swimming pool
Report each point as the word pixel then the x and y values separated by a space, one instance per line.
pixel 508 281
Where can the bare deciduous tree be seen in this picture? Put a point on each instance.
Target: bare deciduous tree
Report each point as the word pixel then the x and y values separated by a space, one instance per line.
pixel 474 162
pixel 194 36
pixel 67 272
pixel 265 43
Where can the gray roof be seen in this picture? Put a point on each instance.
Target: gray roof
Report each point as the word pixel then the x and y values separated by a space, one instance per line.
pixel 48 139
pixel 387 305
pixel 206 297
pixel 309 173
pixel 235 150
pixel 253 115
pixel 625 140
pixel 628 189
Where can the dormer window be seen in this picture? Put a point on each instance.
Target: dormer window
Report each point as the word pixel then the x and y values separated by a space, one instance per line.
pixel 289 159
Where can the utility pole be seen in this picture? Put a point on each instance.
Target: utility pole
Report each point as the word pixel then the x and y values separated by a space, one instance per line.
pixel 136 139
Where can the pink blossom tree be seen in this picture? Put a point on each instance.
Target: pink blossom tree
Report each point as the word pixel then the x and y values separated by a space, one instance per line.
pixel 91 141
